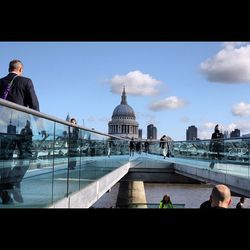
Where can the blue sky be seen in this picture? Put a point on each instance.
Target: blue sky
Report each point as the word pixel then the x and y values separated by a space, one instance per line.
pixel 171 84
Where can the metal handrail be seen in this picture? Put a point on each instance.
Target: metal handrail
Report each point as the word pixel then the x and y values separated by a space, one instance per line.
pixel 50 117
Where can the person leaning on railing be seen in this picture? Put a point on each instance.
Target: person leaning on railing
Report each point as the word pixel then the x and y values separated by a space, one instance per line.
pixel 166 202
pixel 216 145
pixel 146 146
pixel 74 136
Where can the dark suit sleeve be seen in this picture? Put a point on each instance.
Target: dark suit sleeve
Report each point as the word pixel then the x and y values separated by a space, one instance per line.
pixel 32 100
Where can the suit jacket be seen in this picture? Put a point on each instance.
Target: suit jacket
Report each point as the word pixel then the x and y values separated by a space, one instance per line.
pixel 22 91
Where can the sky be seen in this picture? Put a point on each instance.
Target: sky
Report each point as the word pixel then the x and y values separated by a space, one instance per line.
pixel 172 85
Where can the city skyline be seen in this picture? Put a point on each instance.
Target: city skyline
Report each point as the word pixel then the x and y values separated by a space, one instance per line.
pixel 172 85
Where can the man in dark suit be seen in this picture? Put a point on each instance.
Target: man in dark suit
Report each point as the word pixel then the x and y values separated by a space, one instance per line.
pixel 22 91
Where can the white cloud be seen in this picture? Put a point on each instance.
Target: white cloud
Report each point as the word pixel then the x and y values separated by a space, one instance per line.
pixel 230 65
pixel 204 135
pixel 231 45
pixel 243 126
pixel 206 129
pixel 171 102
pixel 232 126
pixel 209 125
pixel 136 83
pixel 241 109
pixel 184 119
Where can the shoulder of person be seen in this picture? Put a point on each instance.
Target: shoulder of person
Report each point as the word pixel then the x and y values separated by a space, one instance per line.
pixel 23 78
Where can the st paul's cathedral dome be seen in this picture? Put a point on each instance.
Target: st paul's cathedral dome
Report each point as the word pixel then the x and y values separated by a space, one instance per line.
pixel 123 122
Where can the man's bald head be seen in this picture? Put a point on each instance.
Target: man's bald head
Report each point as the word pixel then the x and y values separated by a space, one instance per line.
pixel 16 66
pixel 221 196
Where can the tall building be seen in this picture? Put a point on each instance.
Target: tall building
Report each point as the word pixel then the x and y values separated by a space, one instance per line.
pixel 246 135
pixel 140 133
pixel 155 133
pixel 123 121
pixel 151 132
pixel 191 133
pixel 226 134
pixel 235 133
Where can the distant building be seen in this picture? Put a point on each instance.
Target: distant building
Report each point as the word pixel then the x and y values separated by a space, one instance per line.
pixel 140 133
pixel 123 121
pixel 155 133
pixel 235 133
pixel 246 135
pixel 191 133
pixel 151 132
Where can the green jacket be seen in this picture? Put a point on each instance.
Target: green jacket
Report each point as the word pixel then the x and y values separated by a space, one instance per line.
pixel 168 205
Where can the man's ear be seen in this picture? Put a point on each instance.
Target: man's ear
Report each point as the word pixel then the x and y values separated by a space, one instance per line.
pixel 20 70
pixel 229 202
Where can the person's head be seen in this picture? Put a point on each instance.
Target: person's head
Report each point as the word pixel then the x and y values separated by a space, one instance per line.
pixel 73 120
pixel 16 66
pixel 166 198
pixel 242 199
pixel 27 123
pixel 221 196
pixel 216 128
